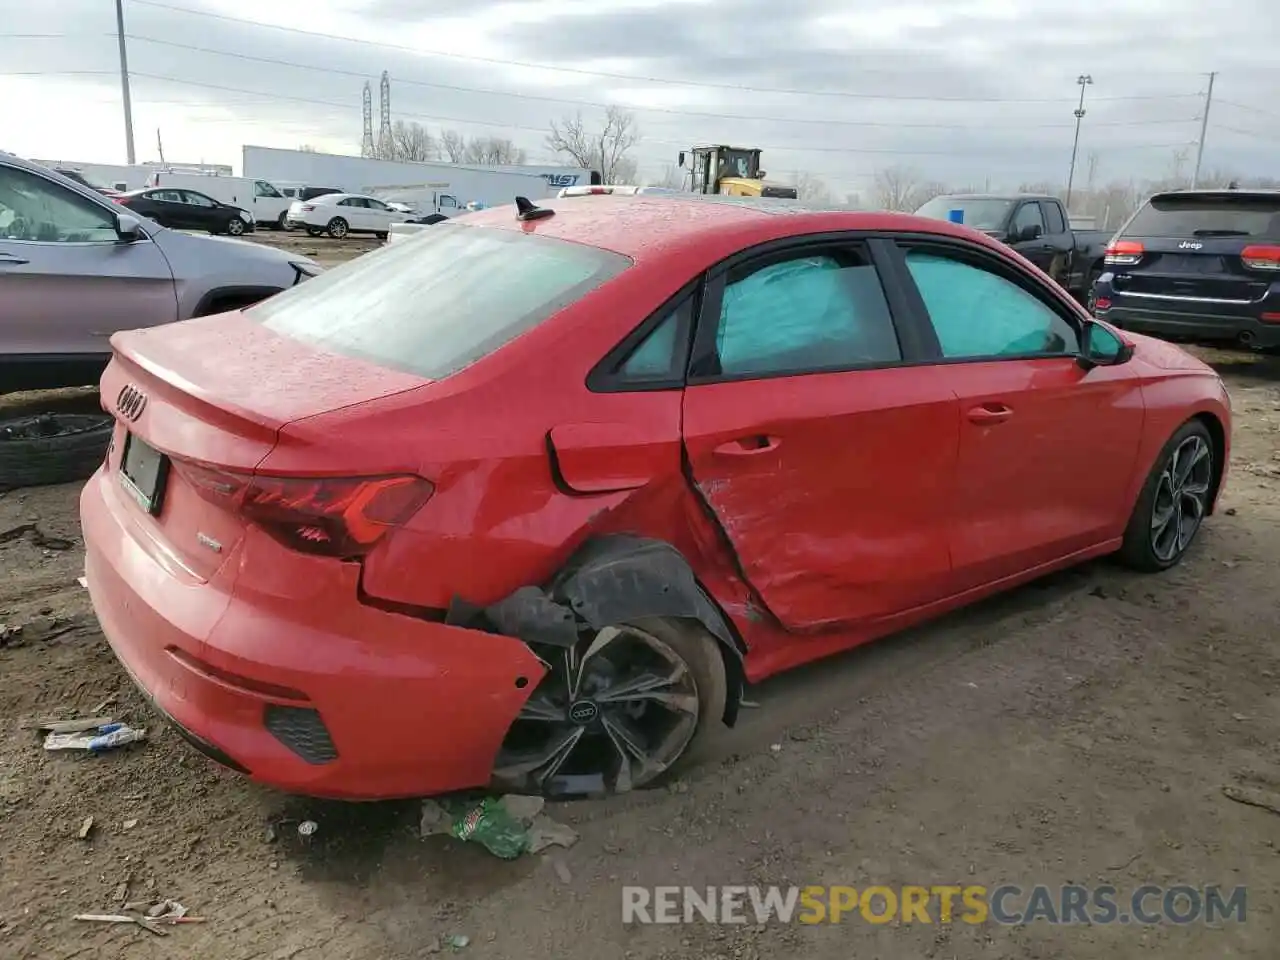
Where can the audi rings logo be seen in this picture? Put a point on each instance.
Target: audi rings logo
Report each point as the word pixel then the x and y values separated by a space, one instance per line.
pixel 583 712
pixel 130 402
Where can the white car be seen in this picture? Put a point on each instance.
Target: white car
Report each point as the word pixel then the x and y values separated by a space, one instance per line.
pixel 340 214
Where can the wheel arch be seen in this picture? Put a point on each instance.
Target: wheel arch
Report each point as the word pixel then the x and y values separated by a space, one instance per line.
pixel 227 298
pixel 1218 436
pixel 609 580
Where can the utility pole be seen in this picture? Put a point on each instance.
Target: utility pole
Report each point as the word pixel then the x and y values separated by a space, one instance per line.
pixel 1084 80
pixel 124 84
pixel 1204 128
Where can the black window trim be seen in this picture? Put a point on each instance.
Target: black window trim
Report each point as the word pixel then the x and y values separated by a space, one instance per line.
pixel 979 256
pixel 607 375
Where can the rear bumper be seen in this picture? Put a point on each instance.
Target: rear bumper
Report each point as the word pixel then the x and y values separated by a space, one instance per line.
pixel 1151 317
pixel 291 680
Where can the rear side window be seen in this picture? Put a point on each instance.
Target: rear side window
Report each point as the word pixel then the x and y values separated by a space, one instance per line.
pixel 1214 216
pixel 441 300
pixel 817 311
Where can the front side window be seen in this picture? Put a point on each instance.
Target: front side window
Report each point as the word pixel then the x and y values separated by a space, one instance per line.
pixel 440 300
pixel 979 314
pixel 1028 215
pixel 376 205
pixel 817 311
pixel 39 210
pixel 263 189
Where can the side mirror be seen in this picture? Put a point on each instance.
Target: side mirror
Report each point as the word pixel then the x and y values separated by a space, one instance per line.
pixel 682 158
pixel 128 227
pixel 1030 232
pixel 1099 347
pixel 760 174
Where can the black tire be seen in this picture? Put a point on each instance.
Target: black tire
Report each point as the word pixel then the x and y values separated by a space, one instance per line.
pixel 1141 542
pixel 1090 281
pixel 314 231
pixel 52 448
pixel 701 651
pixel 380 236
pixel 282 221
pixel 337 228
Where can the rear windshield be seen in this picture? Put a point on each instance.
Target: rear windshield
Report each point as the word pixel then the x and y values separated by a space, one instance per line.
pixel 1243 216
pixel 438 301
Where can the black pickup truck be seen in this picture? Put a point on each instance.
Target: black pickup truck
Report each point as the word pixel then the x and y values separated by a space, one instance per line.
pixel 1034 225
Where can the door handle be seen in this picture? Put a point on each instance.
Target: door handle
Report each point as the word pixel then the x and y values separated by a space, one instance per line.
pixel 10 259
pixel 748 446
pixel 990 413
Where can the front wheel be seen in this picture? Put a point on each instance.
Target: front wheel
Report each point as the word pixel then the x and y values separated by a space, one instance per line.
pixel 616 711
pixel 1173 503
pixel 235 226
pixel 338 228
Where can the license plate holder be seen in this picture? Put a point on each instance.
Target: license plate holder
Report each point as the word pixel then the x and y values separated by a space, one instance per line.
pixel 144 472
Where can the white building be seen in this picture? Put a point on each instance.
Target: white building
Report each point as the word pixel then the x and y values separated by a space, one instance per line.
pixel 459 183
pixel 121 176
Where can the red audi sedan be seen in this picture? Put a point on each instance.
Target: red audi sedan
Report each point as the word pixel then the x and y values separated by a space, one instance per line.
pixel 525 500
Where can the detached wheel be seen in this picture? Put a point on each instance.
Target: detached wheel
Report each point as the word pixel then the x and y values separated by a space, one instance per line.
pixel 615 712
pixel 337 228
pixel 235 227
pixel 52 448
pixel 1173 503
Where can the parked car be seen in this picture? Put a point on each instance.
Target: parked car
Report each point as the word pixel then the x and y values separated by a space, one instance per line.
pixel 1200 265
pixel 1037 227
pixel 412 226
pixel 75 268
pixel 187 210
pixel 523 501
pixel 80 178
pixel 262 198
pixel 340 214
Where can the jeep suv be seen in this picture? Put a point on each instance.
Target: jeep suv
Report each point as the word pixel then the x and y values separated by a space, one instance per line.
pixel 1197 265
pixel 75 268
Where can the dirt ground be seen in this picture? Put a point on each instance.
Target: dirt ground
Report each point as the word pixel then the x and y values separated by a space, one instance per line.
pixel 324 250
pixel 1080 730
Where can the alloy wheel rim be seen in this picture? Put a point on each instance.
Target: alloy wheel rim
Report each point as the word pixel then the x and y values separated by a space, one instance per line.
pixel 612 713
pixel 340 229
pixel 235 228
pixel 1182 498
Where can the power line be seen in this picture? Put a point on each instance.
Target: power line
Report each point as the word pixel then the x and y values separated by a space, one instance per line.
pixel 57 73
pixel 634 78
pixel 542 130
pixel 601 105
pixel 1247 133
pixel 1251 109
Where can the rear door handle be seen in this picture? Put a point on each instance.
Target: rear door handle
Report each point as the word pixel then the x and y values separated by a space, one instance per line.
pixel 748 446
pixel 990 413
pixel 10 259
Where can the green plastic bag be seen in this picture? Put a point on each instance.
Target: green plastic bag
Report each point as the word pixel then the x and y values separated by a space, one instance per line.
pixel 489 824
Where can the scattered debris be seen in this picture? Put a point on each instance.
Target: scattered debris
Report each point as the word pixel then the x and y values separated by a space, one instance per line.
pixel 122 892
pixel 307 828
pixel 85 828
pixel 1239 716
pixel 83 582
pixel 10 634
pixel 1230 511
pixel 1127 863
pixel 111 699
pixel 106 737
pixel 456 941
pixel 37 537
pixel 1253 798
pixel 508 827
pixel 269 834
pixel 158 914
pixel 149 925
pixel 749 704
pixel 130 824
pixel 775 747
pixel 69 726
pixel 562 870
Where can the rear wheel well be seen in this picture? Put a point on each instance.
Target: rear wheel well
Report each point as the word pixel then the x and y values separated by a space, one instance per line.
pixel 1218 435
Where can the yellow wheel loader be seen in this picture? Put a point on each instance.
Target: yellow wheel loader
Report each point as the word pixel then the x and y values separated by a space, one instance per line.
pixel 731 171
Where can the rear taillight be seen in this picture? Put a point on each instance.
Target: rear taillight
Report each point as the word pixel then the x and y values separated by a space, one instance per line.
pixel 307 207
pixel 1124 252
pixel 330 516
pixel 1261 256
pixel 1102 303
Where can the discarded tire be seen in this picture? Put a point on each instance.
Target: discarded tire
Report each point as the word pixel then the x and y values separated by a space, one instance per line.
pixel 52 448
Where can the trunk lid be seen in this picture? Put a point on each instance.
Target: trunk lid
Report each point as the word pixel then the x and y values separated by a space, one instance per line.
pixel 215 391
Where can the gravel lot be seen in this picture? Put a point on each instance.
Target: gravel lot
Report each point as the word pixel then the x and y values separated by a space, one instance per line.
pixel 1080 730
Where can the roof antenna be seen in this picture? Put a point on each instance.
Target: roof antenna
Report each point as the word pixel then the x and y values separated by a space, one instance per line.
pixel 527 210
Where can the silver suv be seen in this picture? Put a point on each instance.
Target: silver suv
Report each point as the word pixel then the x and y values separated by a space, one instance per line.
pixel 75 268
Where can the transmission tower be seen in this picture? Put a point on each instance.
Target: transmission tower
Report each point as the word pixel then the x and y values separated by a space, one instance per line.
pixel 366 144
pixel 384 127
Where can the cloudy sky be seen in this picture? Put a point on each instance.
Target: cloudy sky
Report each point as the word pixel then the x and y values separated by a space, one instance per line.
pixel 958 90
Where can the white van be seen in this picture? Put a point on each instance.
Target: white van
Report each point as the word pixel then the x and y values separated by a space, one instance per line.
pixel 260 197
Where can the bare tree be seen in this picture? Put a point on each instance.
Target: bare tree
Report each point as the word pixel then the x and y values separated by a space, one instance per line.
pixel 493 151
pixel 672 178
pixel 926 192
pixel 814 190
pixel 604 149
pixel 895 188
pixel 409 141
pixel 453 145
